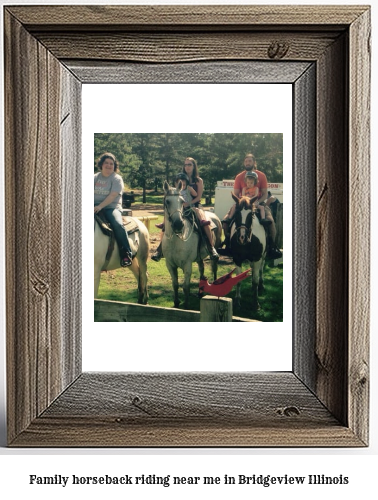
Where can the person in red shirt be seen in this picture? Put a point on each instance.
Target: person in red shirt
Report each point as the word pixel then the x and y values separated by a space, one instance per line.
pixel 250 165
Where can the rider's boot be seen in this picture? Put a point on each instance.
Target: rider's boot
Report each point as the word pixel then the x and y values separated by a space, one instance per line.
pixel 126 258
pixel 158 254
pixel 226 230
pixel 272 251
pixel 209 241
pixel 212 252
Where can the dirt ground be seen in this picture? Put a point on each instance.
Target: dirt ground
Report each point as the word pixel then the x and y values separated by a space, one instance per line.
pixel 143 210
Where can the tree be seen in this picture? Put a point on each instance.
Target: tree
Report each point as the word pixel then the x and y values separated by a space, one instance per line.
pixel 146 160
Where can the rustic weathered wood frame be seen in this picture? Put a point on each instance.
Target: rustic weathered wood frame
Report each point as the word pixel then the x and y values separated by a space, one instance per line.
pixel 324 400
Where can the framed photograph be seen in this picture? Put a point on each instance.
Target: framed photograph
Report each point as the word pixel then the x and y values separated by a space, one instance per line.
pixel 324 53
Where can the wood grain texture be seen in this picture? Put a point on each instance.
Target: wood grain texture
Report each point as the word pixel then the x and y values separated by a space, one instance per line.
pixel 186 410
pixel 218 309
pixel 173 16
pixel 359 247
pixel 304 208
pixel 34 215
pixel 179 47
pixel 38 350
pixel 332 229
pixel 198 72
pixel 71 196
pixel 329 384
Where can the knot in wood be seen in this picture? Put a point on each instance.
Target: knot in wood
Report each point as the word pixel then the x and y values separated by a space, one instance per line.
pixel 278 50
pixel 136 400
pixel 363 381
pixel 41 287
pixel 288 411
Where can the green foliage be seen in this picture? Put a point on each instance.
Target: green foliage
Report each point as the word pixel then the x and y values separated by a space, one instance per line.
pixel 146 160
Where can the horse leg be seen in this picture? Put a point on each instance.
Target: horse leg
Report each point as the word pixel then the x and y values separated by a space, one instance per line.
pixel 214 268
pixel 238 287
pixel 142 284
pixel 174 276
pixel 255 285
pixel 97 276
pixel 261 278
pixel 186 285
pixel 138 272
pixel 201 269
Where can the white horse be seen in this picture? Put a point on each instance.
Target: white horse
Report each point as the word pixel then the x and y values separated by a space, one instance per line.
pixel 140 246
pixel 248 243
pixel 182 244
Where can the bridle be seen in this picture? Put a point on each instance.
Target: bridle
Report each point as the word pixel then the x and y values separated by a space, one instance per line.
pixel 248 230
pixel 181 212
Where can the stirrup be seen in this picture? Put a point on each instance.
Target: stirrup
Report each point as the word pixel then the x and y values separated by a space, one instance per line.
pixel 274 253
pixel 126 261
pixel 213 254
pixel 156 257
pixel 158 254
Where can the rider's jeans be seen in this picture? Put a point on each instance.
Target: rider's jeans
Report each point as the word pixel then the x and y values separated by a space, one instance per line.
pixel 114 216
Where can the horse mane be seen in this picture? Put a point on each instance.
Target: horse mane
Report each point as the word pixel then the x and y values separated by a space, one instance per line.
pixel 245 202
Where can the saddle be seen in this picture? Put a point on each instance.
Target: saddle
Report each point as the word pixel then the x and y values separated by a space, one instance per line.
pixel 192 218
pixel 189 214
pixel 130 225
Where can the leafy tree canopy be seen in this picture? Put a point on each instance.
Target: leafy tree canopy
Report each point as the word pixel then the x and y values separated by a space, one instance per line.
pixel 146 160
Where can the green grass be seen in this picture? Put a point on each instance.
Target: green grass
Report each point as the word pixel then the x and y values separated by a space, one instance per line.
pixel 120 285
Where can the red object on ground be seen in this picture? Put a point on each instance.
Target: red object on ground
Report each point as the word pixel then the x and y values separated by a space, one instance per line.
pixel 223 285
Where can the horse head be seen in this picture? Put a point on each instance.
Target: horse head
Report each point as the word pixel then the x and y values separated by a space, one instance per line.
pixel 173 206
pixel 244 216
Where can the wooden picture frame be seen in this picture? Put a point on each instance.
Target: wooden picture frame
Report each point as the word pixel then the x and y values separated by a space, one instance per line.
pixel 49 52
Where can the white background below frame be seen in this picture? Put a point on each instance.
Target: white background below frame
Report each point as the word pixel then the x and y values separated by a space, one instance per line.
pixel 186 108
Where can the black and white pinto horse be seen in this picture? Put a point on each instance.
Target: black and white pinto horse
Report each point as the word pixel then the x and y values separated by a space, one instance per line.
pixel 248 243
pixel 182 244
